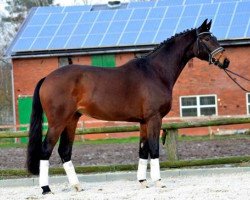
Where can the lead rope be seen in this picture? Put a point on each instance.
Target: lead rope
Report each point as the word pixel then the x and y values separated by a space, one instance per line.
pixel 227 71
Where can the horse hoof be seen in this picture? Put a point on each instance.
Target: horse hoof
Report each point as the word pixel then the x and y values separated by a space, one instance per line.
pixel 159 184
pixel 144 184
pixel 77 188
pixel 46 190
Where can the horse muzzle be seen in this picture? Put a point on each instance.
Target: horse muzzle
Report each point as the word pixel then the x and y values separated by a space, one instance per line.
pixel 225 64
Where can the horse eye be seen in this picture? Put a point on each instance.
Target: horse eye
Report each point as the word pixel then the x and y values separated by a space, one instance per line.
pixel 207 39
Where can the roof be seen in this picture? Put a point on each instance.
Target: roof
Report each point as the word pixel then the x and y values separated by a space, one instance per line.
pixel 133 26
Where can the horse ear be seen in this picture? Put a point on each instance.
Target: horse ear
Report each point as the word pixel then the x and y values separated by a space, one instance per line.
pixel 209 24
pixel 204 26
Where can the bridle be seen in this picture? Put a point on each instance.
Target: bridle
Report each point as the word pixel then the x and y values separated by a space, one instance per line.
pixel 212 60
pixel 212 53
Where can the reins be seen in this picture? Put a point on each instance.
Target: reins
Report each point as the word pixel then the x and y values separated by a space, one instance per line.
pixel 227 71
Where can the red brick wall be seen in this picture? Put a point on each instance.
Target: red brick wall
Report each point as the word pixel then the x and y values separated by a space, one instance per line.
pixel 27 72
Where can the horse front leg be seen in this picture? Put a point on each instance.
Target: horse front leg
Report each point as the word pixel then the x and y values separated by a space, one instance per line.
pixel 143 156
pixel 153 135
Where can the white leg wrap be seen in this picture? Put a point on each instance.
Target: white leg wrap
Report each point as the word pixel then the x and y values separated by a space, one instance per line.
pixel 155 169
pixel 44 173
pixel 70 171
pixel 142 169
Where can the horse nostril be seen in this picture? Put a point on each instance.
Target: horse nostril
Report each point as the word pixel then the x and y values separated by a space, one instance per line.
pixel 226 63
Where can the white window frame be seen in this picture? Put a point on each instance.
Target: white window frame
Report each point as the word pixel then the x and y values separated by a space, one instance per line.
pixel 198 106
pixel 247 103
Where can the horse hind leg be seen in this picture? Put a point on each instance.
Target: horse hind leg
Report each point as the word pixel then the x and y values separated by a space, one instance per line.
pixel 46 151
pixel 65 152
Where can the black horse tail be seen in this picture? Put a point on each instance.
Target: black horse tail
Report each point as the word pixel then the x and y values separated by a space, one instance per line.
pixel 35 132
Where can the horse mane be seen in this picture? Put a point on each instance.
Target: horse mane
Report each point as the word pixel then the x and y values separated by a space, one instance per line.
pixel 167 41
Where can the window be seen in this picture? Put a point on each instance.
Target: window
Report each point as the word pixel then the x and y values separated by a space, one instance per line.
pixel 248 103
pixel 63 61
pixel 200 105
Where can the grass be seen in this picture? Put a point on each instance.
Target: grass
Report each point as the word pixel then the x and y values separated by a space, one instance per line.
pixel 10 142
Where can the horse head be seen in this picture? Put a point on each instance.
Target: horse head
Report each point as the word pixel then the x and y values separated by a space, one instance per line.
pixel 208 48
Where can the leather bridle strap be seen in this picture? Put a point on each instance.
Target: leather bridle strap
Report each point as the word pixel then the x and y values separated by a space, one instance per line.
pixel 211 53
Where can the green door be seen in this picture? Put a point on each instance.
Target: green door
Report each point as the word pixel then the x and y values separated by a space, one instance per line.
pixel 107 60
pixel 24 111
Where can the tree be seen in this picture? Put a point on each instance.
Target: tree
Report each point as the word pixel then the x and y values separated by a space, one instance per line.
pixel 9 25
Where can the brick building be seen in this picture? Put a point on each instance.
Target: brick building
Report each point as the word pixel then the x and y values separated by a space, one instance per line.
pixel 201 90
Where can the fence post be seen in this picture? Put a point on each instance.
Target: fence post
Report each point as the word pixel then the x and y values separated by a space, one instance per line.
pixel 171 144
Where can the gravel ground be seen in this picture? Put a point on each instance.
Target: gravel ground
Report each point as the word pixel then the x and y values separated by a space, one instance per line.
pixel 233 186
pixel 106 154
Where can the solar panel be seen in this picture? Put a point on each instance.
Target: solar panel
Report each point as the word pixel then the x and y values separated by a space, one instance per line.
pixel 134 26
pixel 72 18
pixel 186 23
pixel 49 10
pixel 222 20
pixel 89 17
pixel 110 39
pixel 157 13
pixel 169 24
pixel 23 44
pixel 163 35
pixel 236 32
pixel 116 27
pixel 31 31
pixel 243 7
pixel 192 10
pixel 146 37
pixel 70 9
pixel 55 19
pixel 174 11
pixel 58 42
pixel 99 27
pixel 82 28
pixel 122 15
pixel 48 30
pixel 93 40
pixel 147 4
pixel 226 8
pixel 38 19
pixel 220 32
pixel 150 22
pixel 169 3
pixel 139 14
pixel 188 2
pixel 40 43
pixel 75 41
pixel 128 38
pixel 209 9
pixel 65 30
pixel 105 16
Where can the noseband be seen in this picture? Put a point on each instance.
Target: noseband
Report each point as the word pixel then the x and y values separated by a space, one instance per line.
pixel 211 54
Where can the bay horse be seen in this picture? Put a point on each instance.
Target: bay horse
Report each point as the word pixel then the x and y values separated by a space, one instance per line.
pixel 138 91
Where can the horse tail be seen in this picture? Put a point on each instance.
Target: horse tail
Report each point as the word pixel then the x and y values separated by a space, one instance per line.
pixel 35 132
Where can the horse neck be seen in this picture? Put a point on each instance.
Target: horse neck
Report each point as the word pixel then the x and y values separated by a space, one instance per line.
pixel 171 58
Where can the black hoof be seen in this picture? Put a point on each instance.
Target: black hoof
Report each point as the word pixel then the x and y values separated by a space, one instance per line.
pixel 46 190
